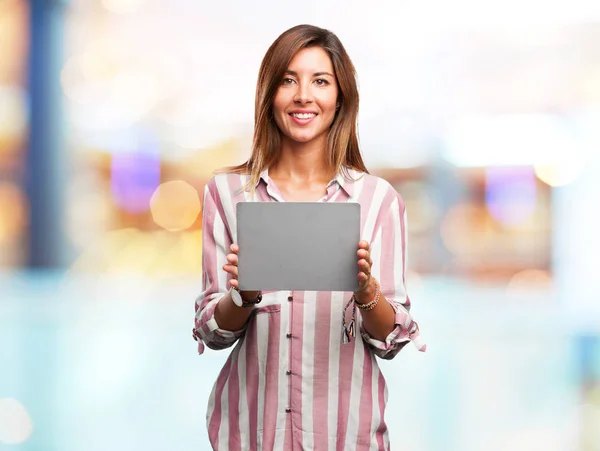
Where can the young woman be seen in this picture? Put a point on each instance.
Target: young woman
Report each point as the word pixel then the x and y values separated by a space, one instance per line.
pixel 299 377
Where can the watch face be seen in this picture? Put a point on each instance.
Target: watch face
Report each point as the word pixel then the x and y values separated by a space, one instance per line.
pixel 236 297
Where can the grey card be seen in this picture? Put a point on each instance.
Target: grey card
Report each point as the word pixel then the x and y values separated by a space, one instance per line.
pixel 308 246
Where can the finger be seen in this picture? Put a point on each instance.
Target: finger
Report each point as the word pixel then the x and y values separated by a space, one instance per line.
pixel 364 266
pixel 234 283
pixel 362 278
pixel 232 258
pixel 363 244
pixel 234 248
pixel 363 253
pixel 231 269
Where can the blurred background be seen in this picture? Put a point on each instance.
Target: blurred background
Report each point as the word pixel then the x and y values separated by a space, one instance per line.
pixel 113 115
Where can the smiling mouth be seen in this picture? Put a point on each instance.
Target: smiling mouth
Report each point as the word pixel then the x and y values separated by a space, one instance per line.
pixel 303 116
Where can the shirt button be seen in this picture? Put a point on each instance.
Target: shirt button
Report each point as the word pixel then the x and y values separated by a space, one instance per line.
pixel 290 298
pixel 288 410
pixel 288 335
pixel 288 372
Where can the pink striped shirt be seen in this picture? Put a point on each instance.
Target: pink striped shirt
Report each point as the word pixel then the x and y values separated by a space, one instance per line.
pixel 290 383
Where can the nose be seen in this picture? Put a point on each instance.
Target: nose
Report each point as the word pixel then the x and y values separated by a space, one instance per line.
pixel 303 93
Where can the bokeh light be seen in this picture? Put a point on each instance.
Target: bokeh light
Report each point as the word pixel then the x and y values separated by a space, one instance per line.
pixel 13 113
pixel 175 205
pixel 510 193
pixel 529 280
pixel 557 175
pixel 135 172
pixel 465 229
pixel 15 423
pixel 14 211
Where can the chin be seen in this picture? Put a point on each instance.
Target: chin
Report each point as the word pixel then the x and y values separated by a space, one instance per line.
pixel 303 139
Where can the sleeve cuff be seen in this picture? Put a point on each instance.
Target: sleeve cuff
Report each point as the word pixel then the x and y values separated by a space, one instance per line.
pixel 405 330
pixel 207 330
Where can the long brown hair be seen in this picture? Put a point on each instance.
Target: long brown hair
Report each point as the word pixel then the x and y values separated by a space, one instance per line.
pixel 342 141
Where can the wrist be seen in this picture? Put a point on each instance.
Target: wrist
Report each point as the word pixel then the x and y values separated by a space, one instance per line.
pixel 367 294
pixel 245 298
pixel 250 296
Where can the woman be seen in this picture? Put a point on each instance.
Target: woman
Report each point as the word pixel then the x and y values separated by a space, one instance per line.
pixel 299 376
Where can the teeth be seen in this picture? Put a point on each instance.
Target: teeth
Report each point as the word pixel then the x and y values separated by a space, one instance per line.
pixel 303 115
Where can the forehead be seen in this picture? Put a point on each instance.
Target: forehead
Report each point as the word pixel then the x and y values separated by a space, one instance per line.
pixel 311 59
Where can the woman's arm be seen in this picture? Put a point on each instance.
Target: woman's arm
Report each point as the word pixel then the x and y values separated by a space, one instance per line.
pixel 388 327
pixel 379 322
pixel 228 315
pixel 216 240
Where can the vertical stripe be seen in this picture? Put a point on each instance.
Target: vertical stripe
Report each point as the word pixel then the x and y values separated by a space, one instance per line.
pixel 377 443
pixel 215 422
pixel 296 362
pixel 377 194
pixel 272 372
pixel 226 197
pixel 356 376
pixel 309 373
pixel 288 442
pixel 252 382
pixel 320 376
pixel 382 399
pixel 283 389
pixel 396 236
pixel 218 196
pixel 388 263
pixel 338 300
pixel 224 429
pixel 365 416
pixel 233 183
pixel 262 337
pixel 233 400
pixel 243 408
pixel 346 364
pixel 210 248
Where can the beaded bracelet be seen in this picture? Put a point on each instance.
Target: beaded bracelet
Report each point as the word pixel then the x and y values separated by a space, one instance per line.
pixel 371 305
pixel 349 330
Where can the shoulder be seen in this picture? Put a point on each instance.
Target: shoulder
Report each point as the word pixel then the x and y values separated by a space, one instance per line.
pixel 225 184
pixel 375 187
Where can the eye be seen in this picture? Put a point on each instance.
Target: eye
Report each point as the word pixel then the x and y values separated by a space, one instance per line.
pixel 321 82
pixel 287 81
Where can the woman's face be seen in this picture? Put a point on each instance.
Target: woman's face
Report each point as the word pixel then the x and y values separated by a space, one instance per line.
pixel 305 103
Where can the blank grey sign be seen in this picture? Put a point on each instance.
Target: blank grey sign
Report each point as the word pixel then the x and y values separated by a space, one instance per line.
pixel 309 246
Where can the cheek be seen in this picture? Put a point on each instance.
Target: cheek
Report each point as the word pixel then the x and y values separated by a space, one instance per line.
pixel 330 103
pixel 276 106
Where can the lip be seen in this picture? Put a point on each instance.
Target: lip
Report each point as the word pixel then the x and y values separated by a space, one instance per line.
pixel 302 121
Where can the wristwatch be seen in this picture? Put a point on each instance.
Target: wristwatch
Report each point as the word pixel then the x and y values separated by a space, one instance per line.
pixel 236 296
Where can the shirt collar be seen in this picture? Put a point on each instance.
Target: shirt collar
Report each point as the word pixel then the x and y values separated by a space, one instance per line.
pixel 346 182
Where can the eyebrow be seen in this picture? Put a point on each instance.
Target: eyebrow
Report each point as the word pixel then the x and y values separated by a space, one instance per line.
pixel 316 74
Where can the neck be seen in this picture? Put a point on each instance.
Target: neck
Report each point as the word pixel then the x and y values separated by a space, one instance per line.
pixel 305 161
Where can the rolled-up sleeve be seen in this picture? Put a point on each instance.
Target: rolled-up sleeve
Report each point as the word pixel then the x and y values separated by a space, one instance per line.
pixel 215 241
pixel 388 252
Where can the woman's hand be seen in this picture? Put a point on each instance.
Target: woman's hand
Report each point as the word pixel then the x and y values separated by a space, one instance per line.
pixel 231 267
pixel 364 265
